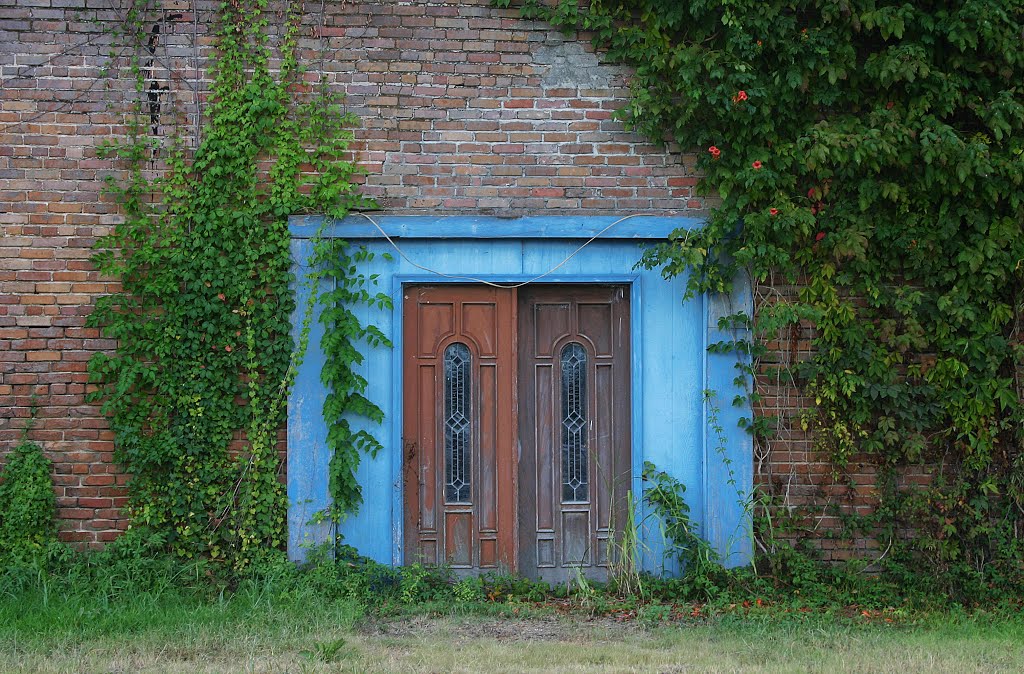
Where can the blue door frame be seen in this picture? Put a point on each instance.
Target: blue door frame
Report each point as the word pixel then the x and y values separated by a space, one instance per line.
pixel 670 416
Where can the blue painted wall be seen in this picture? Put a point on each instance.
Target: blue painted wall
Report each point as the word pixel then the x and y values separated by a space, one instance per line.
pixel 671 368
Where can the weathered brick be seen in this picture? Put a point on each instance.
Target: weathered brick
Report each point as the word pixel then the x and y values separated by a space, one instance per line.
pixel 456 117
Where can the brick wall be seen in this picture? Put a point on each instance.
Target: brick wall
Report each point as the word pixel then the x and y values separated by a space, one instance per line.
pixel 466 109
pixel 807 493
pixel 463 108
pixel 53 111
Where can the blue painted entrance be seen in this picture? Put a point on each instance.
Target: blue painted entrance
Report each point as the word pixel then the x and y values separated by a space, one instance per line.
pixel 670 369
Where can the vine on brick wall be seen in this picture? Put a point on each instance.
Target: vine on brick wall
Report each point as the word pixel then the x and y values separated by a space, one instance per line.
pixel 196 390
pixel 871 153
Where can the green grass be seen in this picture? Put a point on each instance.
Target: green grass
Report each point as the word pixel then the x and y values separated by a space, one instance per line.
pixel 458 645
pixel 172 631
pixel 127 609
pixel 287 627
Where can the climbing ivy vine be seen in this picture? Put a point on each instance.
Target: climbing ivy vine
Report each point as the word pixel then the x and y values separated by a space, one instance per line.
pixel 868 153
pixel 196 389
pixel 345 399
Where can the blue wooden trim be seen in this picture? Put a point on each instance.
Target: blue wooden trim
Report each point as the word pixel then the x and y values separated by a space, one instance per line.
pixel 306 484
pixel 471 227
pixel 430 279
pixel 636 420
pixel 706 486
pixel 669 416
pixel 397 412
pixel 727 518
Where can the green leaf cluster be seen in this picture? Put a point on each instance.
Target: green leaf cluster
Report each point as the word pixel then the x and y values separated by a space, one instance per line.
pixel 343 335
pixel 196 389
pixel 28 507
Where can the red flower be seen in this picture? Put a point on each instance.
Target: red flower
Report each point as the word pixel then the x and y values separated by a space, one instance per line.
pixel 757 164
pixel 773 211
pixel 221 296
pixel 715 152
pixel 740 96
pixel 819 236
pixel 228 349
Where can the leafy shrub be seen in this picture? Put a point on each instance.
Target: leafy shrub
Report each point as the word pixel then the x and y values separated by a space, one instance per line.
pixel 702 569
pixel 28 507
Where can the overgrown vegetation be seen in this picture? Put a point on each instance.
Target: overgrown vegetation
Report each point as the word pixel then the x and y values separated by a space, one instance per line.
pixel 870 154
pixel 74 610
pixel 139 567
pixel 129 607
pixel 28 508
pixel 196 390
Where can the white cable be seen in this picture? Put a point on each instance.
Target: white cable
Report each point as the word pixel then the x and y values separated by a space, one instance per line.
pixel 491 283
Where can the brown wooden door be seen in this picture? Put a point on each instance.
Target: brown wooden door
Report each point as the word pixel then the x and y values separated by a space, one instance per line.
pixel 574 469
pixel 459 426
pixel 516 427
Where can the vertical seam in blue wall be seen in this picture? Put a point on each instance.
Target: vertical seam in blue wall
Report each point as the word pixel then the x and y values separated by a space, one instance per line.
pixel 397 411
pixel 636 402
pixel 705 496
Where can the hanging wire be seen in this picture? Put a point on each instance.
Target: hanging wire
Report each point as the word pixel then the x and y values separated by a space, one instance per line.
pixel 474 279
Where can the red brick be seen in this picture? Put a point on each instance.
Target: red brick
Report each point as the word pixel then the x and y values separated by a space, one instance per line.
pixel 454 118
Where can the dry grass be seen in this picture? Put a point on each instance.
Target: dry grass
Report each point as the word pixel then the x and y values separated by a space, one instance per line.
pixel 555 646
pixel 538 644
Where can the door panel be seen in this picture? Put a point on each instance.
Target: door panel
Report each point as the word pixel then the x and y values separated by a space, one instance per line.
pixel 459 426
pixel 574 417
pixel 516 427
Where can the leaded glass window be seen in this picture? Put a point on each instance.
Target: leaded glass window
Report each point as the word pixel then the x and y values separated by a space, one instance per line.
pixel 575 486
pixel 458 430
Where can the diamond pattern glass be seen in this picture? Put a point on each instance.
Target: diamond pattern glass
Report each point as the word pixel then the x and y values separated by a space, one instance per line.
pixel 575 485
pixel 457 426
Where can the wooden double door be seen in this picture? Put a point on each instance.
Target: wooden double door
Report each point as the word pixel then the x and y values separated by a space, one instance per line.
pixel 516 431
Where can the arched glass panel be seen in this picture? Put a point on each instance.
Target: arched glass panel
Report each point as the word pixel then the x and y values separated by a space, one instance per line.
pixel 458 430
pixel 575 485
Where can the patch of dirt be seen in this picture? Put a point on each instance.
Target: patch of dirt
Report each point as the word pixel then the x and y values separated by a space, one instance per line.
pixel 458 629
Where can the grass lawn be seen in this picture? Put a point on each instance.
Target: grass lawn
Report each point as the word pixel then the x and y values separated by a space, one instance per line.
pixel 260 631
